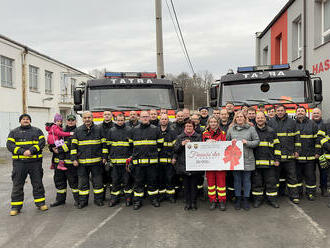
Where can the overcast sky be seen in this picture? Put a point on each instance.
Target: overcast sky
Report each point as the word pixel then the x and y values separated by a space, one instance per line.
pixel 119 35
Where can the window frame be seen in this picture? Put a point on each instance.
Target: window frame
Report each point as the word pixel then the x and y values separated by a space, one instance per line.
pixel 7 68
pixel 49 76
pixel 324 33
pixel 36 77
pixel 299 38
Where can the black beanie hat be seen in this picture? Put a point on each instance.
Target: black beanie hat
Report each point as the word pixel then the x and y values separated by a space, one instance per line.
pixel 24 115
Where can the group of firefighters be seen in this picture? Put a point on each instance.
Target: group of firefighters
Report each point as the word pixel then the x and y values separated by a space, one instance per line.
pixel 145 156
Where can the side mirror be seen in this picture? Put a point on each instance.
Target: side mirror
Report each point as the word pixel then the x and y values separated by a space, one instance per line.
pixel 213 93
pixel 318 87
pixel 318 98
pixel 77 97
pixel 180 95
pixel 77 108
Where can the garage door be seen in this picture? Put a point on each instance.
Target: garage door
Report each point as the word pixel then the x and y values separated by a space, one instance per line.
pixel 39 117
pixel 9 121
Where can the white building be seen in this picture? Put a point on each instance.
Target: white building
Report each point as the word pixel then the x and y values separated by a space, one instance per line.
pixel 33 83
pixel 300 35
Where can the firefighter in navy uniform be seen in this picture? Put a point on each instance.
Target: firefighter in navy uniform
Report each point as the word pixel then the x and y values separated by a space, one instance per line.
pixel 133 119
pixel 178 125
pixel 61 178
pixel 289 148
pixel 88 153
pixel 196 119
pixel 324 139
pixel 264 178
pixel 154 117
pixel 146 141
pixel 204 112
pixel 105 126
pixel 120 149
pixel 310 150
pixel 166 170
pixel 26 144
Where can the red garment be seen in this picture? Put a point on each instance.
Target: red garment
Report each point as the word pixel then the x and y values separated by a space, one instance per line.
pixel 217 135
pixel 216 180
pixel 55 133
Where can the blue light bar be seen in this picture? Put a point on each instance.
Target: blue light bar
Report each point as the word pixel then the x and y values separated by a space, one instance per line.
pixel 281 67
pixel 245 69
pixel 113 74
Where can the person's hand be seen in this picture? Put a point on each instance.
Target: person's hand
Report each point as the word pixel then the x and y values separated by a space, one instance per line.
pixel 296 155
pixel 244 141
pixel 185 142
pixel 75 163
pixel 277 163
pixel 71 133
pixel 251 124
pixel 55 150
pixel 104 161
pixel 317 156
pixel 27 153
pixel 173 161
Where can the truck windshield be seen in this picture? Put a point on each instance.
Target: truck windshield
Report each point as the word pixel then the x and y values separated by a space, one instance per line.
pixel 130 98
pixel 295 91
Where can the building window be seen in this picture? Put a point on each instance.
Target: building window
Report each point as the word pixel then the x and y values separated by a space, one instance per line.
pixel 6 71
pixel 48 82
pixel 265 56
pixel 325 20
pixel 297 38
pixel 73 85
pixel 278 49
pixel 33 80
pixel 300 38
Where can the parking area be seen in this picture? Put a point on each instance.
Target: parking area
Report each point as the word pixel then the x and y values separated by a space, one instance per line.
pixel 304 225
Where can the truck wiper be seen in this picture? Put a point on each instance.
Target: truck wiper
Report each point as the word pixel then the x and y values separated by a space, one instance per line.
pixel 261 101
pixel 239 102
pixel 149 105
pixel 280 99
pixel 105 109
pixel 130 107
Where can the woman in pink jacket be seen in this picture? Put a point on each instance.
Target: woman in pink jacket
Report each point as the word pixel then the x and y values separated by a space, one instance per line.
pixel 56 142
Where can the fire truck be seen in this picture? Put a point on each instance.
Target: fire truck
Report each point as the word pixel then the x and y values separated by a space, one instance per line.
pixel 268 85
pixel 122 92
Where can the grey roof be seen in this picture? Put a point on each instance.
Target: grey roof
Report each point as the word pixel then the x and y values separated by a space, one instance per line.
pixel 288 4
pixel 43 55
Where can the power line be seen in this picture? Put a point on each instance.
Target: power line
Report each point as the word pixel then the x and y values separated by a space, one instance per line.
pixel 183 42
pixel 176 31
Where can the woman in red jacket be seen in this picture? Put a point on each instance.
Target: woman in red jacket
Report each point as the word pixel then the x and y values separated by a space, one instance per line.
pixel 216 179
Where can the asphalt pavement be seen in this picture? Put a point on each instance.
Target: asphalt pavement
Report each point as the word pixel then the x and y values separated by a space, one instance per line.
pixel 303 225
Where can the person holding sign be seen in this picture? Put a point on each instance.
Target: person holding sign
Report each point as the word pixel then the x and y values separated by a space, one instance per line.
pixel 190 178
pixel 216 180
pixel 241 130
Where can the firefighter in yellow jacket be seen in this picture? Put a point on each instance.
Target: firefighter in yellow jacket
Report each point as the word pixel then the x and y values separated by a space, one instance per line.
pixel 26 143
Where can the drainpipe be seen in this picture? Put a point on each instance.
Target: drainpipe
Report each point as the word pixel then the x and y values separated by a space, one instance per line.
pixel 257 54
pixel 24 87
pixel 305 35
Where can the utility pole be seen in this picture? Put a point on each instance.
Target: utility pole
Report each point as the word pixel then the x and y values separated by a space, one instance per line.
pixel 159 39
pixel 193 102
